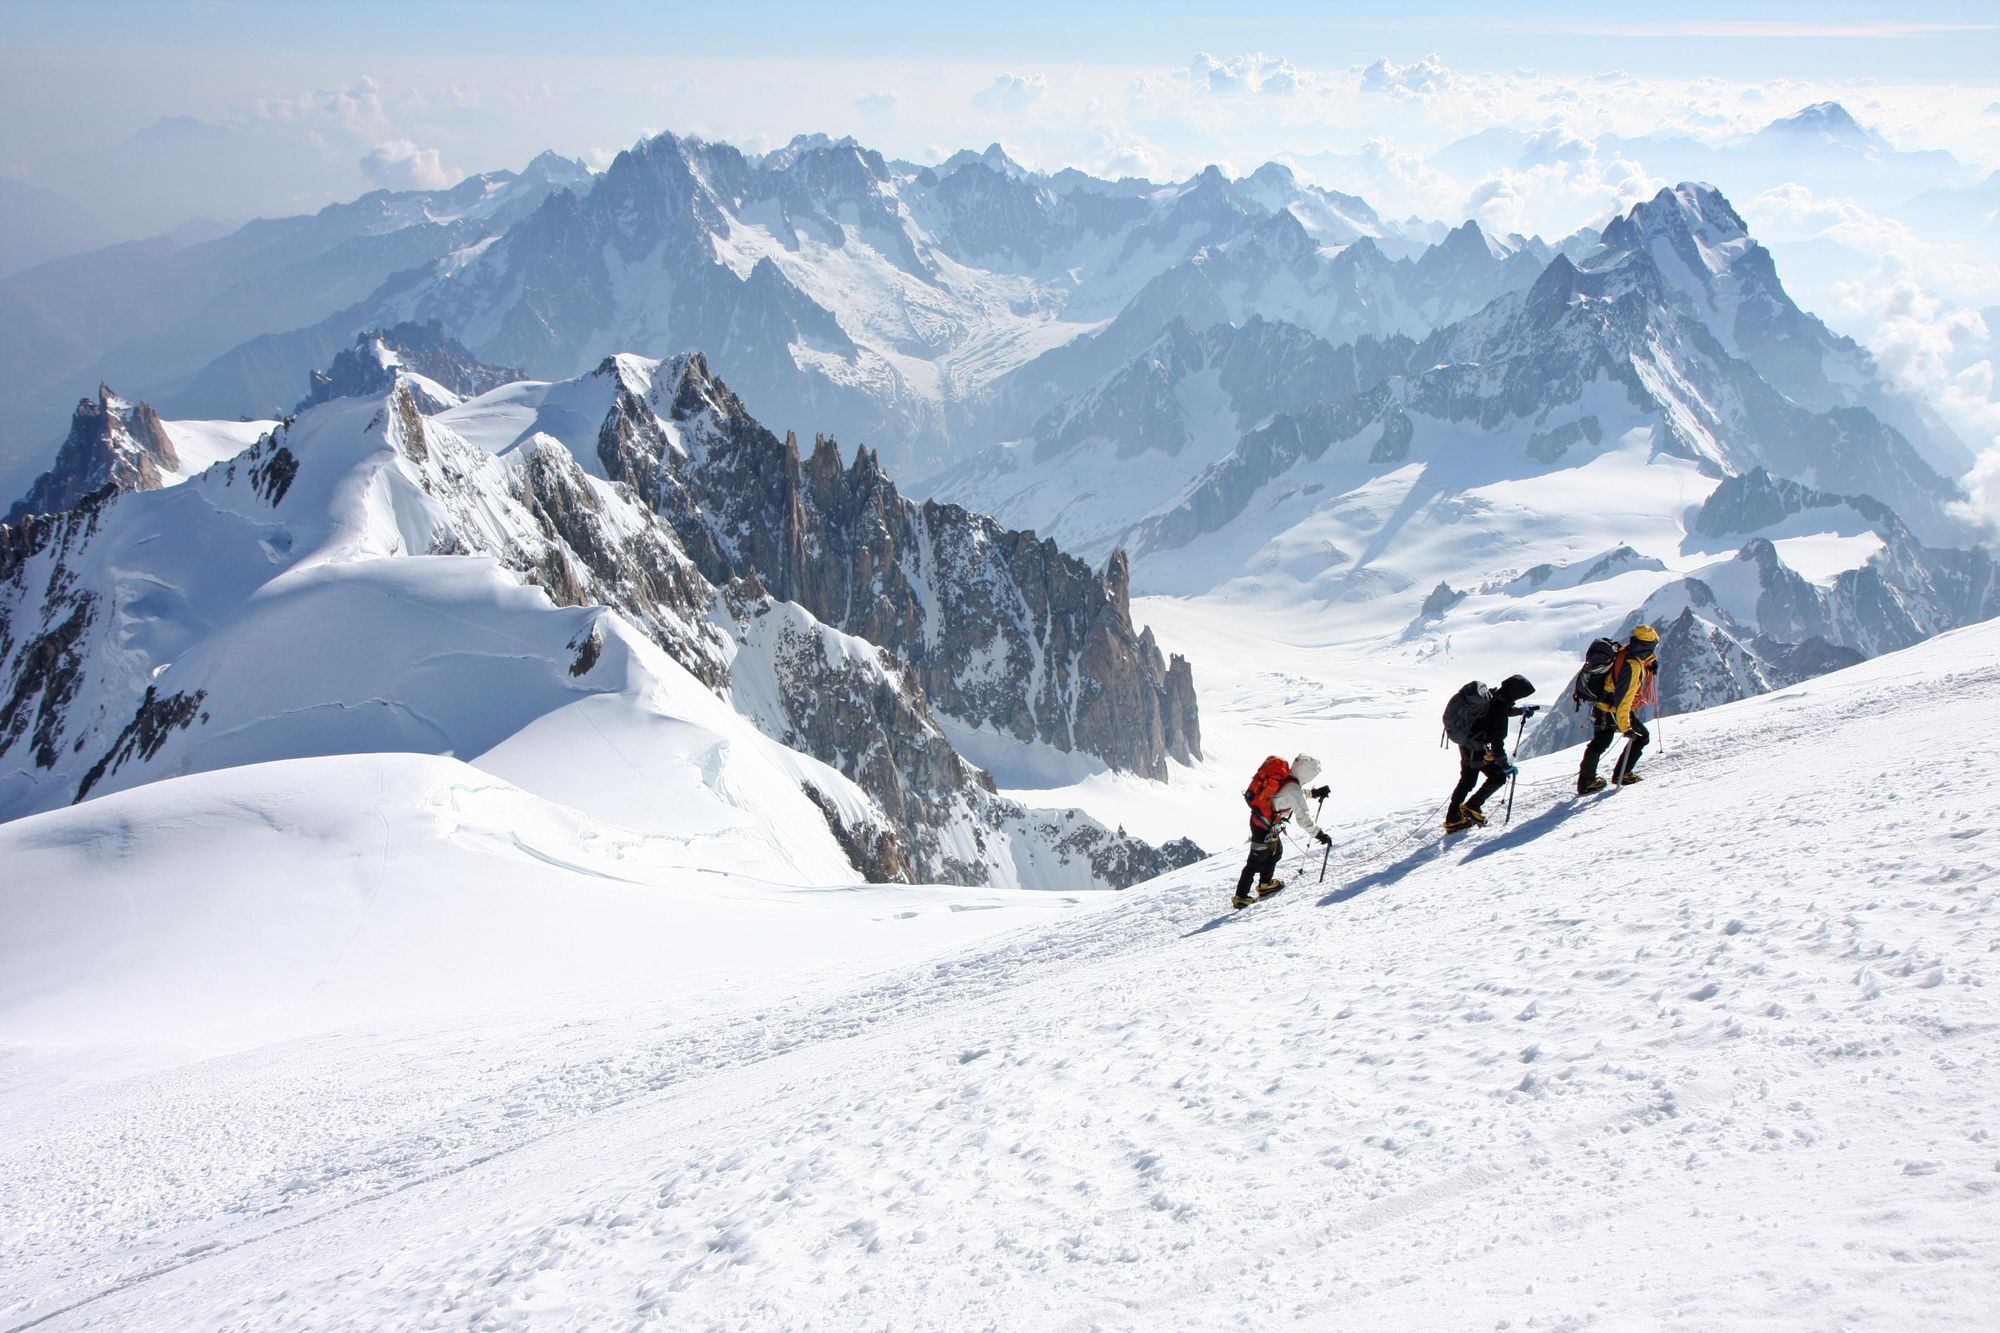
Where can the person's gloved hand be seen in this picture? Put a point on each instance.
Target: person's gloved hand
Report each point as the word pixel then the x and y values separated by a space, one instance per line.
pixel 1320 793
pixel 1324 839
pixel 1511 771
pixel 1529 710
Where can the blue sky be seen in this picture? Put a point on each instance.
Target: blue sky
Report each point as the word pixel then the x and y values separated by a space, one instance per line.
pixel 1926 41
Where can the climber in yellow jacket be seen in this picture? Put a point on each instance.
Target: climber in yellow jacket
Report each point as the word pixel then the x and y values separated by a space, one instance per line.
pixel 1627 686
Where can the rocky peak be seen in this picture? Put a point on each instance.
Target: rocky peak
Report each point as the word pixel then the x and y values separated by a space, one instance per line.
pixel 1274 176
pixel 1750 501
pixel 695 391
pixel 1283 237
pixel 111 442
pixel 1001 629
pixel 1754 500
pixel 994 159
pixel 1690 210
pixel 370 366
pixel 1465 241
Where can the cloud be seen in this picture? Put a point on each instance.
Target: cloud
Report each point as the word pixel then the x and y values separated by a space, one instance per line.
pixel 356 108
pixel 1793 212
pixel 1559 182
pixel 1011 93
pixel 1255 73
pixel 1927 346
pixel 1423 78
pixel 401 165
pixel 1982 492
pixel 877 103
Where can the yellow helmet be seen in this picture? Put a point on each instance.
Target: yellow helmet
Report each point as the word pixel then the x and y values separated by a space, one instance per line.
pixel 1645 641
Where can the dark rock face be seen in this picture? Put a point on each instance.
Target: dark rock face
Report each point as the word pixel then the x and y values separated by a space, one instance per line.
pixel 45 658
pixel 370 365
pixel 272 469
pixel 1001 630
pixel 156 719
pixel 111 443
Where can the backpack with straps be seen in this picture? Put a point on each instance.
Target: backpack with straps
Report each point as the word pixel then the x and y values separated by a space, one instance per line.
pixel 1465 711
pixel 1593 682
pixel 1263 789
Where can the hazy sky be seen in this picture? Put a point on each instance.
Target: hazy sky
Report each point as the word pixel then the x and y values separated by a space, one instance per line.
pixel 233 107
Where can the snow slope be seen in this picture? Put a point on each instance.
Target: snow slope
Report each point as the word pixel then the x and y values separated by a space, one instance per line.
pixel 202 444
pixel 1714 1051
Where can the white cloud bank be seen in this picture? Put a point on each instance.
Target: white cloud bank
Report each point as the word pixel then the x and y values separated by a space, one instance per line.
pixel 401 165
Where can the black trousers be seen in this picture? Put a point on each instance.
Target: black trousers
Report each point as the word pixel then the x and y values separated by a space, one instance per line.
pixel 1604 730
pixel 1472 762
pixel 1266 846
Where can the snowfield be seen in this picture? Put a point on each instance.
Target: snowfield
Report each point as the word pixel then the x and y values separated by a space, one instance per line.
pixel 1715 1051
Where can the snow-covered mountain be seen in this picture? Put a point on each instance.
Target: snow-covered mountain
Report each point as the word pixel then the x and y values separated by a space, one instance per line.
pixel 1275 272
pixel 1702 248
pixel 147 315
pixel 1660 328
pixel 1712 1052
pixel 366 579
pixel 1096 463
pixel 878 301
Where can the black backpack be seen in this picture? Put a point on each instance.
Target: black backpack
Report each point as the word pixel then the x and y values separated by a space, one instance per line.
pixel 1593 681
pixel 1466 710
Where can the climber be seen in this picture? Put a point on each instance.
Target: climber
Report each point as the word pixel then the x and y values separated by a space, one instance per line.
pixel 1277 793
pixel 1476 719
pixel 1628 684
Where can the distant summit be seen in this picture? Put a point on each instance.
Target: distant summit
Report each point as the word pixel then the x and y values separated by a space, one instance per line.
pixel 1826 123
pixel 993 159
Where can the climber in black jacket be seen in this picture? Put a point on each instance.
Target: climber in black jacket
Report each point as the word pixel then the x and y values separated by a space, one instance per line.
pixel 1487 754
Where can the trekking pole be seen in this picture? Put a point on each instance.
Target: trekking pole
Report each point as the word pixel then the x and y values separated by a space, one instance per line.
pixel 1520 733
pixel 1328 854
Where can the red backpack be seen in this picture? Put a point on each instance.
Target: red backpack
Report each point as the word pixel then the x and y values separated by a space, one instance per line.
pixel 1272 774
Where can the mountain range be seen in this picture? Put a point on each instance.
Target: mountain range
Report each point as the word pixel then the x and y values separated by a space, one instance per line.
pixel 681 625
pixel 1057 393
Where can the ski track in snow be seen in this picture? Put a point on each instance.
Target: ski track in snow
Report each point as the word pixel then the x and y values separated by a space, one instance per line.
pixel 1718 1050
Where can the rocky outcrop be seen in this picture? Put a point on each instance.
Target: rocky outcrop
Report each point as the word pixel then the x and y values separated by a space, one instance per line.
pixel 1002 630
pixel 111 443
pixel 370 366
